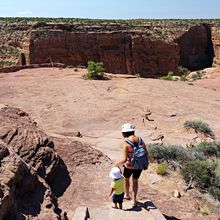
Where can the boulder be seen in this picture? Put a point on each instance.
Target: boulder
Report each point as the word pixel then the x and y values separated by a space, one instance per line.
pixel 23 194
pixel 32 145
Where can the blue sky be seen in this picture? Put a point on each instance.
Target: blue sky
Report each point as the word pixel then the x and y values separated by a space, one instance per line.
pixel 111 9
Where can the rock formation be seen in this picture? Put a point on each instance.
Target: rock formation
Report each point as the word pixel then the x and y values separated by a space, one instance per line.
pixel 196 49
pixel 120 52
pixel 19 131
pixel 23 194
pixel 216 44
pixel 28 163
pixel 35 183
pixel 150 48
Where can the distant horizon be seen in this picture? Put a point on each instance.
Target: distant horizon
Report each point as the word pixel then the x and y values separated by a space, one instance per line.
pixel 113 9
pixel 112 18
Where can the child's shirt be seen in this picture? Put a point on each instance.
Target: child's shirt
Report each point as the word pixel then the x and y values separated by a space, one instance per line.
pixel 118 185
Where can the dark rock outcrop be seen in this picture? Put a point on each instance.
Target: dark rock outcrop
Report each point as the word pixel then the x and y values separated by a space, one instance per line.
pixel 33 176
pixel 28 169
pixel 23 194
pixel 196 49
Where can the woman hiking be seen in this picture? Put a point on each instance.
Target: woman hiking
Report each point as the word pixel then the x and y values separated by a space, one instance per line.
pixel 130 168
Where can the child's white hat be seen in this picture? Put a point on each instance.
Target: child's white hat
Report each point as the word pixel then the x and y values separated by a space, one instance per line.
pixel 115 173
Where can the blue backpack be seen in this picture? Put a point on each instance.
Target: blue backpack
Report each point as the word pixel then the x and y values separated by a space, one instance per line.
pixel 139 158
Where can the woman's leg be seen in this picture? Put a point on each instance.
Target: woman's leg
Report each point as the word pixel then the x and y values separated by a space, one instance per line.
pixel 135 189
pixel 127 186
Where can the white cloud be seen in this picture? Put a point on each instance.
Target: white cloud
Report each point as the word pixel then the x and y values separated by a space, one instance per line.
pixel 24 13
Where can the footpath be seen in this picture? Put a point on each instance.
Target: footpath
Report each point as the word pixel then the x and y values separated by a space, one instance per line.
pixel 145 210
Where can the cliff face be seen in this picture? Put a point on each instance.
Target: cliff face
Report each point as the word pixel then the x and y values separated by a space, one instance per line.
pixel 120 52
pixel 216 45
pixel 151 48
pixel 196 49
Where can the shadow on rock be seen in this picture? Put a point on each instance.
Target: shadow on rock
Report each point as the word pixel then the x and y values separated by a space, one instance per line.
pixel 61 179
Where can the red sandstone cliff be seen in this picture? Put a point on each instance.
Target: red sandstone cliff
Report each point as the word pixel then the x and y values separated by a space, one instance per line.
pixel 216 44
pixel 151 48
pixel 120 52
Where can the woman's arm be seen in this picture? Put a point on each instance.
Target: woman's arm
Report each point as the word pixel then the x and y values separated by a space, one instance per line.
pixel 124 158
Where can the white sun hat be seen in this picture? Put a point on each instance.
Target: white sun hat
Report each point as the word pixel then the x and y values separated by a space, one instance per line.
pixel 115 173
pixel 127 127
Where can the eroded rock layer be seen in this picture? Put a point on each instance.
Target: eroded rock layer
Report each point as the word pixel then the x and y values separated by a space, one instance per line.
pixel 19 131
pixel 23 194
pixel 36 183
pixel 120 52
pixel 148 47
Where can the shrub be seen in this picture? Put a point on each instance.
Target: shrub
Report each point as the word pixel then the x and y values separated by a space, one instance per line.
pixel 199 126
pixel 95 71
pixel 183 78
pixel 209 148
pixel 194 163
pixel 161 169
pixel 168 77
pixel 201 172
pixel 205 210
pixel 183 71
pixel 171 153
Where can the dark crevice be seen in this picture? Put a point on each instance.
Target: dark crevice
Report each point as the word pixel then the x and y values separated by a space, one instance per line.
pixel 196 48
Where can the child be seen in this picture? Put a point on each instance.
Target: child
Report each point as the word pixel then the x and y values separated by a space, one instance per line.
pixel 117 186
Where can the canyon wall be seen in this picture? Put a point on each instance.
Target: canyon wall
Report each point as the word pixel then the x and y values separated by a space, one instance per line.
pixel 120 52
pixel 196 48
pixel 150 48
pixel 216 45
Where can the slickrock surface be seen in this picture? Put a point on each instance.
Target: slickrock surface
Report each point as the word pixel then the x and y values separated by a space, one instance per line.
pixel 63 104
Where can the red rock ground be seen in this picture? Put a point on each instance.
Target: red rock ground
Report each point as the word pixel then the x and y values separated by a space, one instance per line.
pixel 61 102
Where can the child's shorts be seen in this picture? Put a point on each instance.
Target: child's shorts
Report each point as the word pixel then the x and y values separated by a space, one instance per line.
pixel 118 198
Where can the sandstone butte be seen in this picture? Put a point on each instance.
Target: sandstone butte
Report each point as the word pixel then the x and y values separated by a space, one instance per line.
pixel 151 48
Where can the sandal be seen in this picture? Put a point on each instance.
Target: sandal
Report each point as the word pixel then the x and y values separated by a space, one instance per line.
pixel 127 197
pixel 114 207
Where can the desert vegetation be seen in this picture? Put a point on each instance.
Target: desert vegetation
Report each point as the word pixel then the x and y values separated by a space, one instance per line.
pixel 182 75
pixel 199 165
pixel 199 126
pixel 95 71
pixel 162 168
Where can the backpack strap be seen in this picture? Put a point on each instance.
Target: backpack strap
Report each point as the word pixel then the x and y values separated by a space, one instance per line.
pixel 139 141
pixel 130 143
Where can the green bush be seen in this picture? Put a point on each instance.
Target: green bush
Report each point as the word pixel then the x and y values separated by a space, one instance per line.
pixel 183 78
pixel 203 174
pixel 199 126
pixel 168 77
pixel 205 210
pixel 95 71
pixel 209 148
pixel 172 153
pixel 162 169
pixel 183 71
pixel 194 163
